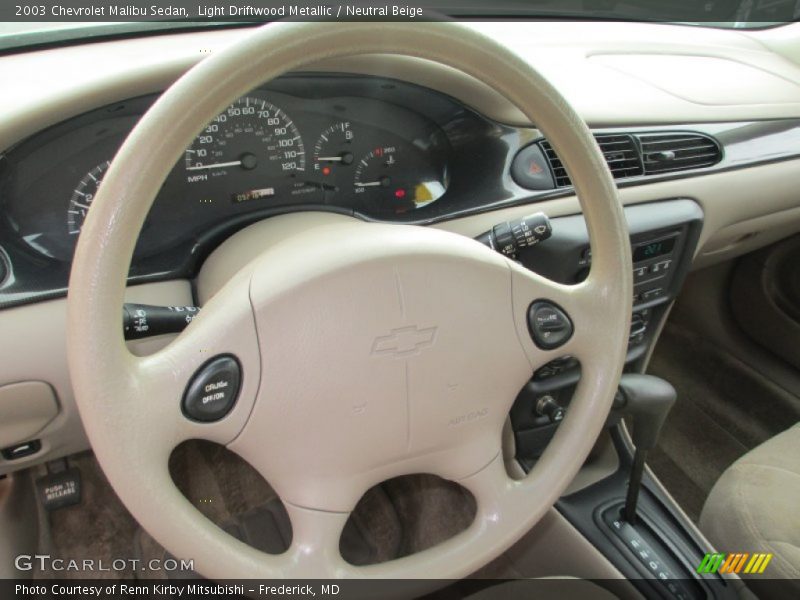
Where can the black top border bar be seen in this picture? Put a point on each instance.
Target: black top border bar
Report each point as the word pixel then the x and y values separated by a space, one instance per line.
pixel 722 13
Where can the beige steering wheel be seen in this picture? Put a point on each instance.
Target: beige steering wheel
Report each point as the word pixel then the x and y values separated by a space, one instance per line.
pixel 367 351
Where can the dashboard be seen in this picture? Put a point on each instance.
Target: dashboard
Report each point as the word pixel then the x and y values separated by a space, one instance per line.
pixel 370 147
pixel 376 148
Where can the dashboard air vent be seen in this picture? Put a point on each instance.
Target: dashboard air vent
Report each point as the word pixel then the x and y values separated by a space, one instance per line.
pixel 620 151
pixel 666 152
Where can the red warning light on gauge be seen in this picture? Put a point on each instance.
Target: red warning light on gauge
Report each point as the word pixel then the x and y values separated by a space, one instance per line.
pixel 400 193
pixel 326 171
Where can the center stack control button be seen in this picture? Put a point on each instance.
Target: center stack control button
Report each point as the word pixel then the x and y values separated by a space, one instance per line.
pixel 550 327
pixel 213 390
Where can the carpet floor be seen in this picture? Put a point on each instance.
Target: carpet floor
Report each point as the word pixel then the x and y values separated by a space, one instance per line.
pixel 724 409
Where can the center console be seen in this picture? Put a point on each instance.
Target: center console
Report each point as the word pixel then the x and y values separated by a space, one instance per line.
pixel 664 237
pixel 649 540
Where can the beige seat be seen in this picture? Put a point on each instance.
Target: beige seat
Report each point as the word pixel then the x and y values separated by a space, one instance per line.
pixel 755 507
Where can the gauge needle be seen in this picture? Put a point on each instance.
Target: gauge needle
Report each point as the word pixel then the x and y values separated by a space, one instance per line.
pixel 382 181
pixel 233 163
pixel 345 158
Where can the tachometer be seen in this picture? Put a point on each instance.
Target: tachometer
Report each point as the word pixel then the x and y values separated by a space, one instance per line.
pixel 250 135
pixel 82 197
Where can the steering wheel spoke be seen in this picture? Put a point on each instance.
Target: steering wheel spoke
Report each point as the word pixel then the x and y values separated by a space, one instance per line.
pixel 490 486
pixel 202 385
pixel 315 543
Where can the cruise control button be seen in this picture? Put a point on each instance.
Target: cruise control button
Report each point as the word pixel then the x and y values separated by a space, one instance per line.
pixel 550 327
pixel 213 390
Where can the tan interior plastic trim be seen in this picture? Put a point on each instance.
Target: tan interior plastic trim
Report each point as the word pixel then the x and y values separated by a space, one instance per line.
pixel 40 354
pixel 27 407
pixel 687 77
pixel 553 543
pixel 444 287
pixel 125 68
pixel 734 223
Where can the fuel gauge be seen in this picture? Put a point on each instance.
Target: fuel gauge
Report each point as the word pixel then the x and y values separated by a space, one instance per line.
pixel 333 149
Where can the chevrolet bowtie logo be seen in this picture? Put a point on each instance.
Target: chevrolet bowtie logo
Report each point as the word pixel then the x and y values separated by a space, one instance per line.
pixel 404 341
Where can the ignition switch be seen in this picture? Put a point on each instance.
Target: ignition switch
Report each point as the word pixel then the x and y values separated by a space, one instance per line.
pixel 546 406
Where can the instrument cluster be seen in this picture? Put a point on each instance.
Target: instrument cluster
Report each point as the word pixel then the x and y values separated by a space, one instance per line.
pixel 268 150
pixel 374 148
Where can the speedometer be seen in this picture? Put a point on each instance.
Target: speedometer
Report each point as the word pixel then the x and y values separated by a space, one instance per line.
pixel 251 135
pixel 82 196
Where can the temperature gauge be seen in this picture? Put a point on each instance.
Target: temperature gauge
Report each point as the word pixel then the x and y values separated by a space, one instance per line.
pixel 385 186
pixel 376 169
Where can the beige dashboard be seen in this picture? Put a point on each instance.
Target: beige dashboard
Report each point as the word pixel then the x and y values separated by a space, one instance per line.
pixel 598 67
pixel 605 70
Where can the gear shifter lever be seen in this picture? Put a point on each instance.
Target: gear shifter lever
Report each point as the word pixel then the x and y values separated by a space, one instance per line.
pixel 648 400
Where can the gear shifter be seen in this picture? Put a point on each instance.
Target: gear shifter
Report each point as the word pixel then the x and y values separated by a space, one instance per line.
pixel 648 400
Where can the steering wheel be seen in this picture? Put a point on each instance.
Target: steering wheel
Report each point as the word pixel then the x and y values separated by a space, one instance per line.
pixel 367 351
